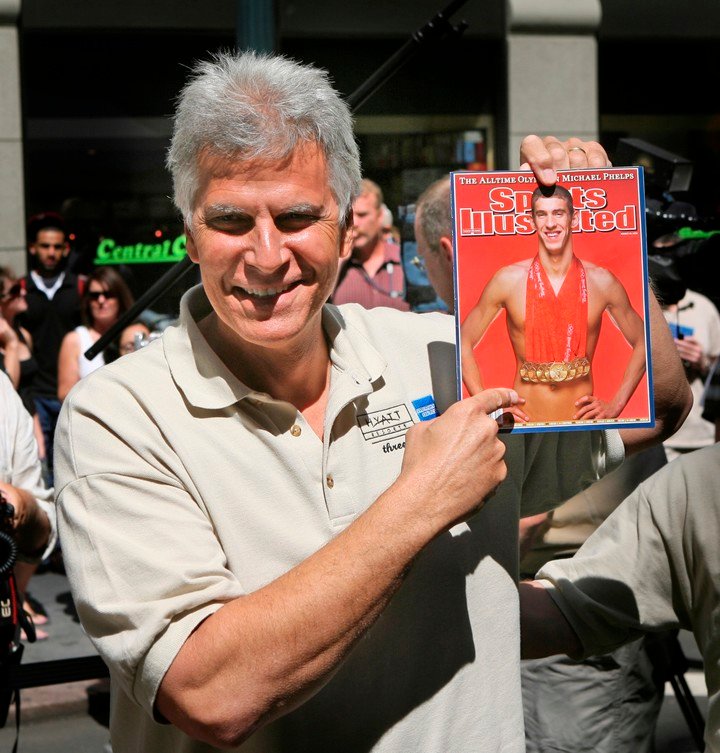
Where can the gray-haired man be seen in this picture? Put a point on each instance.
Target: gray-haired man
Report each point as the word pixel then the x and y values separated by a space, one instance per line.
pixel 275 549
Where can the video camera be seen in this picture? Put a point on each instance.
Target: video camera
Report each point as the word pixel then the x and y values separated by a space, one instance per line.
pixel 12 616
pixel 689 243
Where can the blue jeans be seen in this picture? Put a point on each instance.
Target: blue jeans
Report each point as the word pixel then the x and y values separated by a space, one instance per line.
pixel 48 409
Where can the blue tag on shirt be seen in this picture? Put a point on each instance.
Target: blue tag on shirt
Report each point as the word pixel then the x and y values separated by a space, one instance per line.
pixel 425 408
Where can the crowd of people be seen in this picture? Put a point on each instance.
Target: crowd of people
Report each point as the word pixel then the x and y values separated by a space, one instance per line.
pixel 48 319
pixel 295 538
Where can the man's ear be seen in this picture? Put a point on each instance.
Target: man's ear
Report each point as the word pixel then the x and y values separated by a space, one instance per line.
pixel 190 246
pixel 67 249
pixel 446 249
pixel 347 237
pixel 575 221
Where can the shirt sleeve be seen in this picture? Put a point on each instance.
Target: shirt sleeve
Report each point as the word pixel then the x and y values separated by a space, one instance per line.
pixel 634 574
pixel 24 469
pixel 143 559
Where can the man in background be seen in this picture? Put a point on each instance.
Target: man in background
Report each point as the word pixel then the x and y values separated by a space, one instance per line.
pixel 53 300
pixel 373 274
pixel 694 322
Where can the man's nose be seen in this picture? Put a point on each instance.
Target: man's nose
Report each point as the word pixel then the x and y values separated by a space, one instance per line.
pixel 267 251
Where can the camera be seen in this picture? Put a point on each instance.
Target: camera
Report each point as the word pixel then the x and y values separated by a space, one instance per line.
pixel 689 243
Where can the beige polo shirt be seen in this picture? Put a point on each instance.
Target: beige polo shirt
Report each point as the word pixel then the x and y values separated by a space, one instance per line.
pixel 180 488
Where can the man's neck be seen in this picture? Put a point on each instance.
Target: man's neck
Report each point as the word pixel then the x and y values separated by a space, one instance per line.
pixel 297 373
pixel 371 256
pixel 556 265
pixel 47 279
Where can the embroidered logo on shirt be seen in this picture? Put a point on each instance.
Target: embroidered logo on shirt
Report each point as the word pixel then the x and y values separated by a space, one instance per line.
pixel 425 407
pixel 381 425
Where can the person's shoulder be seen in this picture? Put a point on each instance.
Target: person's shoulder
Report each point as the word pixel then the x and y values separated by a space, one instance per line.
pixel 600 277
pixel 129 376
pixel 512 273
pixel 71 339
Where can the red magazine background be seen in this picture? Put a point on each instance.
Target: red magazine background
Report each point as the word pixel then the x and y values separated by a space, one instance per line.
pixel 477 258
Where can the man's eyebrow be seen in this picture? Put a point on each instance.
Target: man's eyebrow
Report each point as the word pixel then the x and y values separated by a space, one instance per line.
pixel 301 208
pixel 223 209
pixel 304 208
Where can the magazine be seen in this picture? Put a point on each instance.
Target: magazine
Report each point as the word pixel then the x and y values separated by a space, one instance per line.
pixel 551 294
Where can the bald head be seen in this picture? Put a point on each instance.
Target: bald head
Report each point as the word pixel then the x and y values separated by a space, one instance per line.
pixel 433 233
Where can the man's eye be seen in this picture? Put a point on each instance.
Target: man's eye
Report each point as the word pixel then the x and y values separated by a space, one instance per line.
pixel 294 221
pixel 230 223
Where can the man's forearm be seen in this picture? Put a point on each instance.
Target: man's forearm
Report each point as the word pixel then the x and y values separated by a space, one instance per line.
pixel 33 530
pixel 671 391
pixel 262 655
pixel 630 380
pixel 544 631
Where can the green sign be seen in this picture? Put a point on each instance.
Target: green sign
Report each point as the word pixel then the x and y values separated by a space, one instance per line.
pixel 109 252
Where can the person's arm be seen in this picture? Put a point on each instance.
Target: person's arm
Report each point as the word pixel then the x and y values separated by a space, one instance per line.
pixel 631 326
pixel 671 391
pixel 474 327
pixel 544 631
pixel 21 485
pixel 694 358
pixel 68 365
pixel 10 344
pixel 263 654
pixel 31 525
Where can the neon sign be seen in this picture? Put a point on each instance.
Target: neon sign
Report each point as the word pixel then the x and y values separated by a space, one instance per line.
pixel 110 252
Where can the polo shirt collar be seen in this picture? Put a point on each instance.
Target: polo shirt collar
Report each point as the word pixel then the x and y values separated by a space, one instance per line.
pixel 207 383
pixel 350 351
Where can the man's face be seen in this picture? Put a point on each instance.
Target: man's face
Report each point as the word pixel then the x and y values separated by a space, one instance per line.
pixel 267 237
pixel 49 248
pixel 367 221
pixel 553 222
pixel 438 267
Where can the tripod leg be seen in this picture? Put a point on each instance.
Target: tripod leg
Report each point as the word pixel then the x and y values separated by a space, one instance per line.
pixel 689 708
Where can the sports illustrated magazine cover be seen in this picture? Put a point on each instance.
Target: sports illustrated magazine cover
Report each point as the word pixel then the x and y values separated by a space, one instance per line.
pixel 551 291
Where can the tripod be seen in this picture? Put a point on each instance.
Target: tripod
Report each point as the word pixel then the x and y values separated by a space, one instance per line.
pixel 670 664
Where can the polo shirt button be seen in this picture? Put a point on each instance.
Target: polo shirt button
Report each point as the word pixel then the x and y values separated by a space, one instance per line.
pixel 330 481
pixel 296 431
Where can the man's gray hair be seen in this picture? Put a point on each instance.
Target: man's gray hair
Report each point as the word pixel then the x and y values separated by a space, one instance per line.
pixel 433 210
pixel 250 105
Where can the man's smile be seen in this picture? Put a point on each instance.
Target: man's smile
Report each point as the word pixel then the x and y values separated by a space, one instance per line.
pixel 266 292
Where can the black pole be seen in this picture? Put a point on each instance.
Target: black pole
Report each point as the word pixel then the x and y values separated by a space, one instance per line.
pixel 434 30
pixel 145 301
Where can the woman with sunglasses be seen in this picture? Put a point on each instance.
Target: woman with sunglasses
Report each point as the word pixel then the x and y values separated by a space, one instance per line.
pixel 105 299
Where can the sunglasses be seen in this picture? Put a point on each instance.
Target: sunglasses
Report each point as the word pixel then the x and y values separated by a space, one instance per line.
pixel 94 295
pixel 14 291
